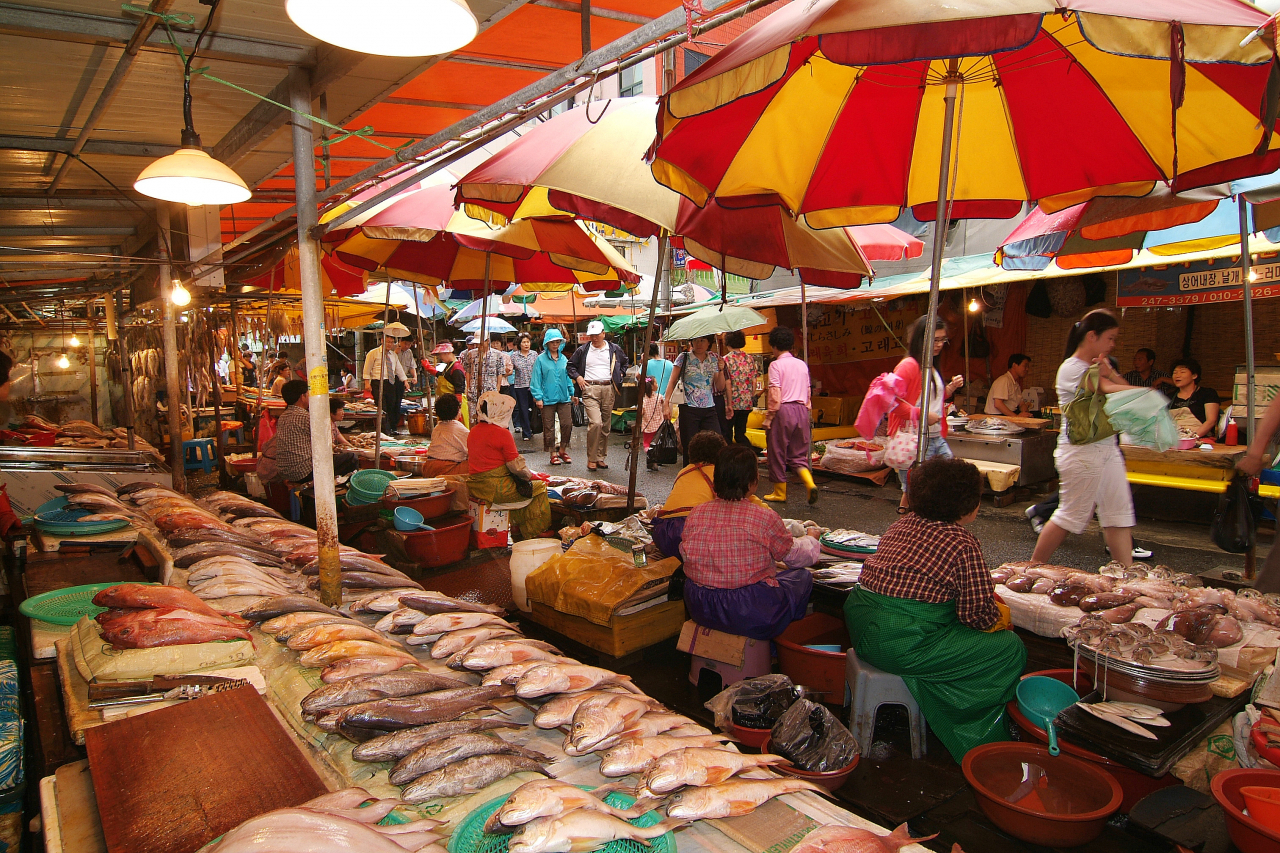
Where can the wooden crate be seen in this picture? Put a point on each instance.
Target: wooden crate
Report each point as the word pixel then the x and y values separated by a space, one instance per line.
pixel 624 634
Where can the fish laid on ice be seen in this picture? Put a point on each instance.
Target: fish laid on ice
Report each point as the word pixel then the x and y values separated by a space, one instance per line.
pixel 468 776
pixel 397 745
pixel 731 799
pixel 635 754
pixel 851 839
pixel 581 831
pixel 433 756
pixel 551 797
pixel 567 678
pixel 367 688
pixel 319 635
pixel 280 605
pixel 364 665
pixel 701 766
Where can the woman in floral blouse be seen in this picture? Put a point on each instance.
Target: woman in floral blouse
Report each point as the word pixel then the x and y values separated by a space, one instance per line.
pixel 701 370
pixel 740 370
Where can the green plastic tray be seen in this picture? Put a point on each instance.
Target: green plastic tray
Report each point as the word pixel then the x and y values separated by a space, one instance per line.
pixel 470 836
pixel 65 606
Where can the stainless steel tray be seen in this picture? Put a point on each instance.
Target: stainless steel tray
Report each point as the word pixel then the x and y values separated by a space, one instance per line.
pixel 25 456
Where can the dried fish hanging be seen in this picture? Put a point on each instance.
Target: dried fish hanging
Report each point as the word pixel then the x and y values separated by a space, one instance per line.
pixel 147 363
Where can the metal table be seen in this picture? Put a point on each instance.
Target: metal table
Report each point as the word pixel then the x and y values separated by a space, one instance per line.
pixel 1031 451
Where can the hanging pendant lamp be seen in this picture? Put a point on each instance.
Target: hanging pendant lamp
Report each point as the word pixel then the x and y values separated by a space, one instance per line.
pixel 387 27
pixel 190 176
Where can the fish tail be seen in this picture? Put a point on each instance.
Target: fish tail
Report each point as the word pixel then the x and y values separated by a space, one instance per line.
pixel 611 787
pixel 668 825
pixel 902 834
pixel 641 807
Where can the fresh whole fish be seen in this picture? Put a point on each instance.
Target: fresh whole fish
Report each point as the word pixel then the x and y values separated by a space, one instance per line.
pixel 731 799
pixel 250 510
pixel 559 711
pixel 1116 720
pixel 581 831
pixel 284 635
pixel 283 604
pixel 634 754
pixel 468 776
pixel 401 713
pixel 356 561
pixel 397 745
pixel 363 665
pixel 851 839
pixel 84 488
pixel 141 596
pixel 510 674
pixel 567 678
pixel 651 724
pixel 172 521
pixel 219 588
pixel 602 716
pixel 294 620
pixel 444 623
pixel 401 621
pixel 433 756
pixel 241 538
pixel 384 601
pixel 150 493
pixel 339 649
pixel 434 602
pixel 367 688
pixel 319 635
pixel 551 797
pixel 457 641
pixel 368 580
pixel 185 557
pixel 495 653
pixel 700 766
pixel 304 829
pixel 146 629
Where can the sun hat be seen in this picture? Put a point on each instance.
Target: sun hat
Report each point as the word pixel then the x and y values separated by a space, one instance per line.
pixel 396 330
pixel 442 349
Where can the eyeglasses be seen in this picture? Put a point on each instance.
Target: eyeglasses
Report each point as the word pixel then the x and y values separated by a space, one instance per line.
pixel 943 341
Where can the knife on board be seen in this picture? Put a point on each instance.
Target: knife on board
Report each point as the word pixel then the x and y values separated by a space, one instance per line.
pixel 103 691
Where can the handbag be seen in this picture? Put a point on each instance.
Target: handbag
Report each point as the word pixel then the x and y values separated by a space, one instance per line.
pixel 1086 414
pixel 664 449
pixel 1233 528
pixel 903 447
pixel 579 411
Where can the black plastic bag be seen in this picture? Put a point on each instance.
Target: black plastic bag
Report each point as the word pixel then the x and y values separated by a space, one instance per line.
pixel 1233 527
pixel 664 449
pixel 811 738
pixel 675 587
pixel 579 411
pixel 760 702
pixel 1038 304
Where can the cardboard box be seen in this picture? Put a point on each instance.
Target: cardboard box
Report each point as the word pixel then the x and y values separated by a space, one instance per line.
pixel 836 409
pixel 490 528
pixel 708 643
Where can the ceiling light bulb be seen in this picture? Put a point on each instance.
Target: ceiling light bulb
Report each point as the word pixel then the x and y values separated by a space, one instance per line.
pixel 387 27
pixel 74 340
pixel 179 295
pixel 974 306
pixel 190 176
pixel 63 362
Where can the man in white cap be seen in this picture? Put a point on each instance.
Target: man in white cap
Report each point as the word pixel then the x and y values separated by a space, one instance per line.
pixel 597 369
pixel 384 374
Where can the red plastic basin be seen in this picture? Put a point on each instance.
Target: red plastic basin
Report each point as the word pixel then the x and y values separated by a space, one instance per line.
pixel 749 737
pixel 1246 833
pixel 1068 809
pixel 431 506
pixel 820 671
pixel 442 546
pixel 831 780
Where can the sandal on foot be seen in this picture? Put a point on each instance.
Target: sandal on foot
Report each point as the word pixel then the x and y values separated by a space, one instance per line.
pixel 903 510
pixel 602 465
pixel 555 460
pixel 564 457
pixel 591 466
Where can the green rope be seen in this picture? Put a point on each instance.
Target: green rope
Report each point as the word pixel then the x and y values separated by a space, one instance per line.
pixel 184 19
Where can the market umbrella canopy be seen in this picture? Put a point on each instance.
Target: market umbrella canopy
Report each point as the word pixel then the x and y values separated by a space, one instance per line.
pixel 285 274
pixel 493 307
pixel 589 162
pixel 425 305
pixel 422 238
pixel 491 324
pixel 835 109
pixel 714 320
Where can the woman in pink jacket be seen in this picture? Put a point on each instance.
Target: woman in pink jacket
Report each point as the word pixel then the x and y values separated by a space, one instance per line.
pixel 905 414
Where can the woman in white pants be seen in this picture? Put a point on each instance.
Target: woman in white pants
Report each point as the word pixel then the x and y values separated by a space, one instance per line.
pixel 1092 476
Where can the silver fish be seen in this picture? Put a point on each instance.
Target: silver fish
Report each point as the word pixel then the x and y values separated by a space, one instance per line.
pixel 397 745
pixel 581 831
pixel 283 604
pixel 367 688
pixel 433 756
pixel 468 776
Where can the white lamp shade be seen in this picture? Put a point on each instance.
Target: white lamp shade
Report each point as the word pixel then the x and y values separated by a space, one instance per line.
pixel 190 176
pixel 387 27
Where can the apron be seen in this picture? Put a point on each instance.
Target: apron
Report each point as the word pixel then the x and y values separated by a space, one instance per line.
pixel 960 677
pixel 444 386
pixel 497 486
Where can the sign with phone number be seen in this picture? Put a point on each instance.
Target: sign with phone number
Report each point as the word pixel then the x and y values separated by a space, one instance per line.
pixel 1198 283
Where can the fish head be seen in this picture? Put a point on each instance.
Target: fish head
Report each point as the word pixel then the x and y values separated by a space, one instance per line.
pixel 524 806
pixel 589 729
pixel 620 758
pixel 695 804
pixel 537 836
pixel 541 680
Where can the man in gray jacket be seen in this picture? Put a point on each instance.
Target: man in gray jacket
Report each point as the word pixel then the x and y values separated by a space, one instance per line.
pixel 597 369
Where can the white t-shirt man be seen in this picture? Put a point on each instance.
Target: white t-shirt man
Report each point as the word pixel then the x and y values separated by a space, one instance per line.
pixel 1007 390
pixel 598 364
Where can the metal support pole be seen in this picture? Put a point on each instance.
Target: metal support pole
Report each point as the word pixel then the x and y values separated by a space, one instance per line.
pixel 804 342
pixel 304 183
pixel 422 355
pixel 586 27
pixel 939 246
pixel 221 452
pixel 173 390
pixel 644 370
pixel 382 378
pixel 126 367
pixel 1250 558
pixel 93 368
pixel 482 345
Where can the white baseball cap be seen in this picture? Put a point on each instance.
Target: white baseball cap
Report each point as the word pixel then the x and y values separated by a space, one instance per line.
pixel 595 327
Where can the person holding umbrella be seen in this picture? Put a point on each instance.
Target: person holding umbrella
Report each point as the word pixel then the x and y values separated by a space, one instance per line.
pixel 597 369
pixel 384 375
pixel 551 388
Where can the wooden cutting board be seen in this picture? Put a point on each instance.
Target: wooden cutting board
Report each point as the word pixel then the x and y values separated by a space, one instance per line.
pixel 175 779
pixel 1028 423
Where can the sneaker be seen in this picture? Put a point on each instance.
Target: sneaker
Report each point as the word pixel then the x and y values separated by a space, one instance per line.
pixel 1139 553
pixel 1037 524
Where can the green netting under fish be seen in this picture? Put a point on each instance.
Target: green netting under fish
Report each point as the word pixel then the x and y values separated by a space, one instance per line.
pixel 470 837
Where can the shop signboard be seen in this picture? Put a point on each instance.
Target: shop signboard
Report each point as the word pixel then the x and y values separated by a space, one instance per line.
pixel 845 333
pixel 1196 283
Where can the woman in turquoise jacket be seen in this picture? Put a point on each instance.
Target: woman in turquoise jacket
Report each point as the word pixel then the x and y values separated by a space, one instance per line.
pixel 552 390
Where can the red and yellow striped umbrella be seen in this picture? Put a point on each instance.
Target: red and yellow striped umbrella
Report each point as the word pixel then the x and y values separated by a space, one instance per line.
pixel 420 237
pixel 836 110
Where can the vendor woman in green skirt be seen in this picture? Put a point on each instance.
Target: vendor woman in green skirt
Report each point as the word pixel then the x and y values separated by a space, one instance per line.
pixel 926 609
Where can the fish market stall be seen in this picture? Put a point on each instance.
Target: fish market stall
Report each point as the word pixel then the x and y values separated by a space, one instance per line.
pixel 32 473
pixel 1205 468
pixel 392 692
pixel 1017 443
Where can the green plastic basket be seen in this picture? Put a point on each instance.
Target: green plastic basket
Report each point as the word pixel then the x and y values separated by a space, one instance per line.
pixel 65 606
pixel 61 519
pixel 470 836
pixel 371 481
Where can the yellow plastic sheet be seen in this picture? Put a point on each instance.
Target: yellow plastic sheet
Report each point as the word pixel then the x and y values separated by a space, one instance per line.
pixel 593 579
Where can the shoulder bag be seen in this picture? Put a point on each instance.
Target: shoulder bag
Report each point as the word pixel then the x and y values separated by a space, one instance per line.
pixel 1086 415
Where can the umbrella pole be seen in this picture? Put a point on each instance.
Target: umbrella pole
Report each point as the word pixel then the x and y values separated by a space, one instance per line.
pixel 636 436
pixel 422 347
pixel 939 246
pixel 382 377
pixel 481 346
pixel 804 343
pixel 964 310
pixel 1250 567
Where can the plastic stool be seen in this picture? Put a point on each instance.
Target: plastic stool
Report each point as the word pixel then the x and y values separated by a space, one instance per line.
pixel 871 689
pixel 234 426
pixel 757 659
pixel 199 454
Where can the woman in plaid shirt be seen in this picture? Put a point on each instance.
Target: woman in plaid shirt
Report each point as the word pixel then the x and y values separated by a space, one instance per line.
pixel 926 610
pixel 731 548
